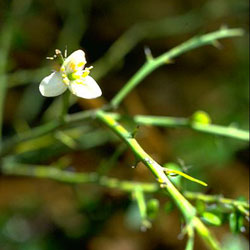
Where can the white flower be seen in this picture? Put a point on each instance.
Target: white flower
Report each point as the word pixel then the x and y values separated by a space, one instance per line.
pixel 72 76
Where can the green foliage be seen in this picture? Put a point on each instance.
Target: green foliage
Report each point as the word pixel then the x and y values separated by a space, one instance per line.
pixel 153 206
pixel 211 219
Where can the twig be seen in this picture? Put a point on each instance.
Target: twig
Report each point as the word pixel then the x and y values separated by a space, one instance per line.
pixel 165 27
pixel 184 206
pixel 5 42
pixel 8 145
pixel 220 200
pixel 174 122
pixel 54 173
pixel 140 199
pixel 150 66
pixel 57 174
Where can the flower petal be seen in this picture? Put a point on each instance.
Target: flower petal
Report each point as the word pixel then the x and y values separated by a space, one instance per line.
pixel 85 88
pixel 52 85
pixel 75 62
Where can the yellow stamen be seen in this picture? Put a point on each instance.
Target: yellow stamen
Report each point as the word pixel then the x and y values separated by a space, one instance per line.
pixel 72 66
pixel 81 64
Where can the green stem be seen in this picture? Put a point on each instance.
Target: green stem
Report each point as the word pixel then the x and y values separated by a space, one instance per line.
pixel 218 199
pixel 190 241
pixel 138 119
pixel 8 145
pixel 140 199
pixel 222 131
pixel 184 206
pixel 5 42
pixel 54 173
pixel 164 121
pixel 153 64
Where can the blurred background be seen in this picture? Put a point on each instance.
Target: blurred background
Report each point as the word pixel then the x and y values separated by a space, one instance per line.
pixel 38 214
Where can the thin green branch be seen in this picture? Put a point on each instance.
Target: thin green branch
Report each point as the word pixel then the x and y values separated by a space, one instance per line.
pixel 184 206
pixel 138 194
pixel 220 200
pixel 138 119
pixel 8 145
pixel 57 174
pixel 151 65
pixel 165 27
pixel 148 29
pixel 54 173
pixel 222 131
pixel 190 240
pixel 5 42
pixel 163 121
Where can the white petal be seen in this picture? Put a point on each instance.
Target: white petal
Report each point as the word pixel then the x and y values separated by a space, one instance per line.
pixel 75 62
pixel 85 88
pixel 52 85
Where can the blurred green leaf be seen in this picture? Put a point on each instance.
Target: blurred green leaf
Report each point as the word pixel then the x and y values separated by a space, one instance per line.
pixel 211 219
pixel 200 206
pixel 233 222
pixel 152 208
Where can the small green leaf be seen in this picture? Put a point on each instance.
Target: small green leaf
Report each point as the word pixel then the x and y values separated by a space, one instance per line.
pixel 211 219
pixel 233 222
pixel 200 206
pixel 241 226
pixel 169 207
pixel 152 208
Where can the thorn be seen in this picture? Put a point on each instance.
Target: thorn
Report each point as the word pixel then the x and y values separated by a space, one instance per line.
pixel 148 53
pixel 217 44
pixel 163 185
pixel 169 61
pixel 133 134
pixel 137 161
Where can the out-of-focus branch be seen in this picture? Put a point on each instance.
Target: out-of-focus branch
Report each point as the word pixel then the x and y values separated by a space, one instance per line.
pixel 169 26
pixel 5 42
pixel 7 146
pixel 241 206
pixel 57 174
pixel 54 173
